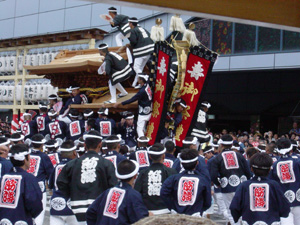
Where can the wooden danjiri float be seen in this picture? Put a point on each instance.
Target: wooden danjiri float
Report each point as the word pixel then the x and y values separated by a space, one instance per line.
pixel 81 67
pixel 179 69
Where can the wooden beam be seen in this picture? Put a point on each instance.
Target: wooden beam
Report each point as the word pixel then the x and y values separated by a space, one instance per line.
pixel 282 14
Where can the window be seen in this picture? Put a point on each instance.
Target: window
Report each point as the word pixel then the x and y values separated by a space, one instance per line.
pixel 268 39
pixel 202 31
pixel 244 39
pixel 222 37
pixel 291 40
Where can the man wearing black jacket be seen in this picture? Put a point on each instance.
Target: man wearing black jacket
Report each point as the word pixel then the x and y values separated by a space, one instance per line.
pixel 117 69
pixel 121 22
pixel 142 46
pixel 84 179
pixel 144 98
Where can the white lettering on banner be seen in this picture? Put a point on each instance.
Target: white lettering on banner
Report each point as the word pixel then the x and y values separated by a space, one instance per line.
pixel 197 71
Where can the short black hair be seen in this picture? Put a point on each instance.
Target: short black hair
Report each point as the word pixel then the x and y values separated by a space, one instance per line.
pixel 3 140
pixel 169 145
pixel 37 137
pixel 51 149
pixel 15 149
pixel 261 164
pixel 113 8
pixel 133 23
pixel 112 146
pixel 157 147
pixel 104 50
pixel 88 111
pixel 124 149
pixel 91 123
pixel 74 112
pixel 227 137
pixel 43 109
pixel 188 154
pixel 125 167
pixel 67 144
pixel 190 138
pixel 92 143
pixel 143 144
pixel 283 143
pixel 15 136
pixel 250 152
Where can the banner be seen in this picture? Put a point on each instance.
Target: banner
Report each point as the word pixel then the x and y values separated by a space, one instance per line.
pixel 198 68
pixel 161 90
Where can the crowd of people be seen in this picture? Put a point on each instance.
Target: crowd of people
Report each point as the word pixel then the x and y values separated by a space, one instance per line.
pixel 99 180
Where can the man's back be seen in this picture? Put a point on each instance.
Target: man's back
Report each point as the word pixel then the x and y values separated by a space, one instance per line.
pixel 84 179
pixel 232 169
pixel 149 183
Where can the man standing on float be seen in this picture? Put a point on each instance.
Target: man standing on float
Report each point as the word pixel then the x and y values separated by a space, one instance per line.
pixel 144 98
pixel 117 69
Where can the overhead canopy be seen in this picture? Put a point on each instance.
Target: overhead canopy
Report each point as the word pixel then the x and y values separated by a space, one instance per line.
pixel 281 14
pixel 67 62
pixel 54 37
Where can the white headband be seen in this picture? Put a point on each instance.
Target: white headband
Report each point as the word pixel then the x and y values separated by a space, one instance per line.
pixel 19 156
pixel 183 105
pixel 73 88
pixel 114 141
pixel 67 149
pixel 52 114
pixel 17 139
pixel 143 141
pixel 193 142
pixel 146 77
pixel 51 146
pixel 5 143
pixel 105 112
pixel 214 145
pixel 88 114
pixel 81 142
pixel 129 117
pixel 221 142
pixel 133 21
pixel 91 136
pixel 283 151
pixel 26 114
pixel 207 105
pixel 81 149
pixel 112 10
pixel 210 150
pixel 235 147
pixel 43 106
pixel 103 47
pixel 156 153
pixel 43 141
pixel 72 116
pixel 188 161
pixel 127 176
pixel 52 98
